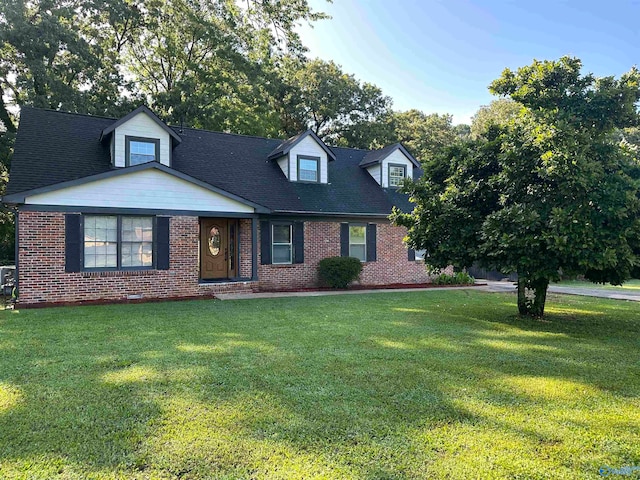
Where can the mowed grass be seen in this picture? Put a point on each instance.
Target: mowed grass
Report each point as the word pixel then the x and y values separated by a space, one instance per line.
pixel 628 286
pixel 437 384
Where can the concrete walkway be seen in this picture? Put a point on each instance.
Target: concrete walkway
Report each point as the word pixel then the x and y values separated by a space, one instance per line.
pixel 322 293
pixel 632 295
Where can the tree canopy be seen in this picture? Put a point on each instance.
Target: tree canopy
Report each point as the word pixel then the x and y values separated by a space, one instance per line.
pixel 549 191
pixel 498 112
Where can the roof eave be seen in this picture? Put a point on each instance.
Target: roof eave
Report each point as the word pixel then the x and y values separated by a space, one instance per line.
pixel 141 109
pixel 20 198
pixel 279 152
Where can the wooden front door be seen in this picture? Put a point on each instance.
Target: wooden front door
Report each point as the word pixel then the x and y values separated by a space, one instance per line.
pixel 218 248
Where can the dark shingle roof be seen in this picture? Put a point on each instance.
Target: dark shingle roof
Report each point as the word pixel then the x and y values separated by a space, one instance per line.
pixel 54 147
pixel 376 156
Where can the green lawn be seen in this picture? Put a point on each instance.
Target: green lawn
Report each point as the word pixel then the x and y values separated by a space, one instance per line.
pixel 627 286
pixel 440 384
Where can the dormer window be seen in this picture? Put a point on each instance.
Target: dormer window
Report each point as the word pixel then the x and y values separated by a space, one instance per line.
pixel 141 150
pixel 397 174
pixel 304 158
pixel 308 169
pixel 390 166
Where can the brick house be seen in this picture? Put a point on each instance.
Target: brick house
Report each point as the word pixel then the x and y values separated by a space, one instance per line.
pixel 110 210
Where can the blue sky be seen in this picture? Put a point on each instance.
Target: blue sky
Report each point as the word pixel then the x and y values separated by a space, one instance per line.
pixel 440 56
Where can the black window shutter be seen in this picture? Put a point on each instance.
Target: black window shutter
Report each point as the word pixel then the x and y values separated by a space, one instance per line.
pixel 412 254
pixel 72 237
pixel 298 242
pixel 265 243
pixel 162 243
pixel 371 242
pixel 344 239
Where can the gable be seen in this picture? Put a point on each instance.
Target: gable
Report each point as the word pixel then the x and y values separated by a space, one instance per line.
pixel 397 157
pixel 140 125
pixel 143 189
pixel 307 147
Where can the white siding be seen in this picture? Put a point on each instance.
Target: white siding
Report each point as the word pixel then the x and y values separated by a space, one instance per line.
pixel 309 147
pixel 150 189
pixel 398 158
pixel 141 126
pixel 283 163
pixel 374 171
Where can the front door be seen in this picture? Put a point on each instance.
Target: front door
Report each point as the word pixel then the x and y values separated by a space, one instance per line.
pixel 218 248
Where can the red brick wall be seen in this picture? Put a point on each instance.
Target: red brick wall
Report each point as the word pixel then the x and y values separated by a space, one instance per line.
pixel 43 279
pixel 245 249
pixel 322 239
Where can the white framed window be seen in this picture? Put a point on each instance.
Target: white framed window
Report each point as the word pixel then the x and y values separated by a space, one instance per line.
pixel 281 243
pixel 420 254
pixel 141 150
pixel 308 169
pixel 397 174
pixel 114 242
pixel 358 242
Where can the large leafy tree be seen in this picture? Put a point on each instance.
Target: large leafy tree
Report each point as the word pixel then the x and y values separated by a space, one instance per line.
pixel 552 191
pixel 318 95
pixel 220 69
pixel 425 135
pixel 498 112
pixel 64 55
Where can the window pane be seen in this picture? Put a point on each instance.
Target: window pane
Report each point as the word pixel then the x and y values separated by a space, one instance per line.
pixel 111 261
pixel 358 251
pixel 308 170
pixel 420 254
pixel 356 234
pixel 281 254
pixel 282 234
pixel 141 152
pixel 89 260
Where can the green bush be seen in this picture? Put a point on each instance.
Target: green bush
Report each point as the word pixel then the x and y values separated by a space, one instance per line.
pixel 459 278
pixel 338 272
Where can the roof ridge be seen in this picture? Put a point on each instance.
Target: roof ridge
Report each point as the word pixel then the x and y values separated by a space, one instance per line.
pixel 177 128
pixel 64 112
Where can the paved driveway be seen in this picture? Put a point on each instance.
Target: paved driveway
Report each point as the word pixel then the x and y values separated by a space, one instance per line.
pixel 633 295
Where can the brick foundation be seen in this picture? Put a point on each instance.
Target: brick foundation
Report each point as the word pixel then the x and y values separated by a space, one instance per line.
pixel 43 280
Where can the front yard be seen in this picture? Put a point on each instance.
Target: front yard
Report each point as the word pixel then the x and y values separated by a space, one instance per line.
pixel 441 384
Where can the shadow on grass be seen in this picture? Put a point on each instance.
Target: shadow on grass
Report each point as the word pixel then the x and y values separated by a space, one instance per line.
pixel 336 387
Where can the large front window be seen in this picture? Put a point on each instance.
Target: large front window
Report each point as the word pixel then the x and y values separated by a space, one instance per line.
pixel 282 244
pixel 114 242
pixel 141 150
pixel 308 170
pixel 358 242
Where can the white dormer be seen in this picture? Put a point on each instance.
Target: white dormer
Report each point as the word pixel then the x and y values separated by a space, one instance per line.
pixel 389 166
pixel 304 158
pixel 140 137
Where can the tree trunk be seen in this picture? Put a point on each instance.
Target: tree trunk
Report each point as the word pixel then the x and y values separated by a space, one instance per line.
pixel 532 307
pixel 523 302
